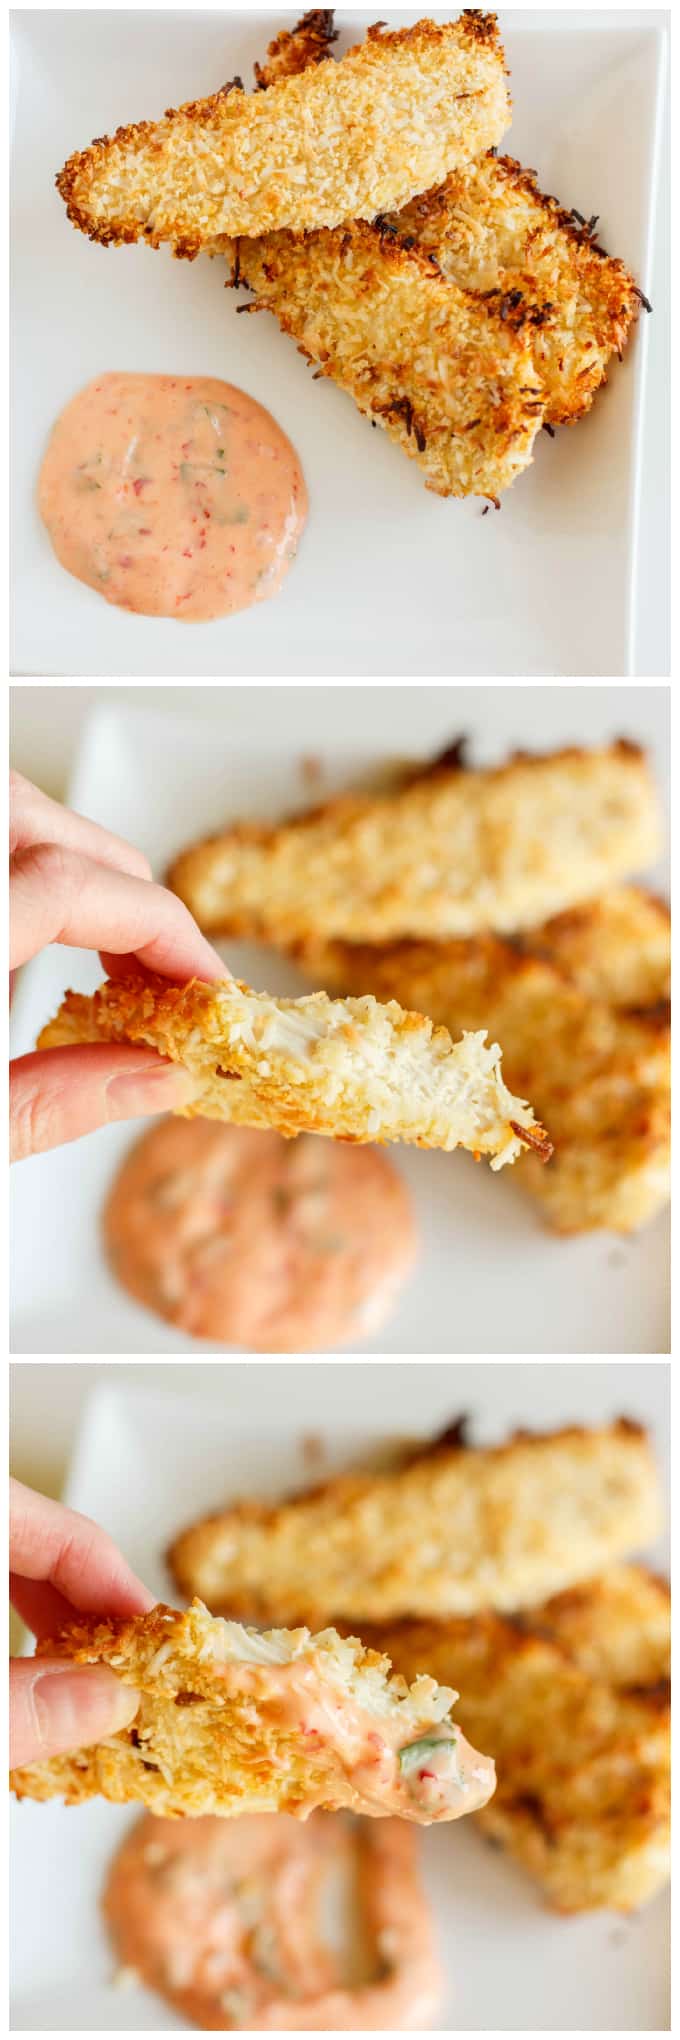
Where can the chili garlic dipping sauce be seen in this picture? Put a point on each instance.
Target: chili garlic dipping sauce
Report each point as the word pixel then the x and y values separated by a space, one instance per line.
pixel 229 1921
pixel 250 1240
pixel 172 496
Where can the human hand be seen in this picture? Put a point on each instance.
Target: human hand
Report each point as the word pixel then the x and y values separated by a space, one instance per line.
pixel 72 882
pixel 61 1564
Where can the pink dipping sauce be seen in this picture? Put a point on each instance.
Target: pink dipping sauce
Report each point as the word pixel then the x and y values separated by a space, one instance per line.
pixel 172 496
pixel 224 1920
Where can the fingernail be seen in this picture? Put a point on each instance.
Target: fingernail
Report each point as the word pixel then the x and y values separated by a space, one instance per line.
pixel 133 1092
pixel 76 1706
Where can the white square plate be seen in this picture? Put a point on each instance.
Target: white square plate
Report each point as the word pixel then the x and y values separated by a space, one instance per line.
pixel 390 579
pixel 145 1465
pixel 162 781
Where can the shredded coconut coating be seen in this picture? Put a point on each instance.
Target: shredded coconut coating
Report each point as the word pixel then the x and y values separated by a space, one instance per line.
pixel 295 49
pixel 348 1068
pixel 616 948
pixel 213 1734
pixel 452 1531
pixel 338 141
pixel 448 375
pixel 598 1073
pixel 583 1797
pixel 616 1627
pixel 450 853
pixel 489 228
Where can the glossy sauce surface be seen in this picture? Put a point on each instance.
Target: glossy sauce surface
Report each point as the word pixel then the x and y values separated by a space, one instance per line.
pixel 172 496
pixel 228 1921
pixel 255 1241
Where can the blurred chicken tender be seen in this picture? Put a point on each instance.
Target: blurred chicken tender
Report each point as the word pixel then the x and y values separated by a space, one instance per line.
pixel 350 1069
pixel 231 1721
pixel 599 1075
pixel 451 852
pixel 617 948
pixel 583 1796
pixel 334 142
pixel 451 1531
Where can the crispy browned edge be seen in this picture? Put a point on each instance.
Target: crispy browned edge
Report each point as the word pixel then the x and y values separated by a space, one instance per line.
pixel 479 28
pixel 446 764
pixel 296 49
pixel 581 232
pixel 449 1442
pixel 75 1639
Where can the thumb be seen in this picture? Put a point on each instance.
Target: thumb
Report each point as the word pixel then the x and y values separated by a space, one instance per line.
pixel 56 1706
pixel 60 1093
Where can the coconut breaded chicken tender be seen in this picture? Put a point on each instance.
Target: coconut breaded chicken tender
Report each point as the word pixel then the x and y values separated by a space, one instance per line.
pixel 583 1795
pixel 448 376
pixel 333 142
pixel 232 1721
pixel 449 1531
pixel 451 852
pixel 599 1075
pixel 489 228
pixel 350 1069
pixel 616 948
pixel 495 237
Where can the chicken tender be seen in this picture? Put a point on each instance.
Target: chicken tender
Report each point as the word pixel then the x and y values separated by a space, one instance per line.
pixel 600 1077
pixel 447 375
pixel 231 1721
pixel 616 1627
pixel 617 948
pixel 451 852
pixel 489 228
pixel 451 1531
pixel 347 1068
pixel 583 1796
pixel 335 142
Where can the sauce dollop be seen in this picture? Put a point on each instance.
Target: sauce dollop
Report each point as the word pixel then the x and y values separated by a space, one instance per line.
pixel 172 496
pixel 224 1920
pixel 254 1241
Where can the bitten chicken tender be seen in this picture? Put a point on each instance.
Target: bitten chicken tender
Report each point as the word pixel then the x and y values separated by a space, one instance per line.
pixel 451 852
pixel 489 228
pixel 348 1068
pixel 336 142
pixel 583 1796
pixel 231 1721
pixel 447 375
pixel 451 1531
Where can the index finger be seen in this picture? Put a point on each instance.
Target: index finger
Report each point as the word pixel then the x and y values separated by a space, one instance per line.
pixel 34 818
pixel 58 895
pixel 72 1555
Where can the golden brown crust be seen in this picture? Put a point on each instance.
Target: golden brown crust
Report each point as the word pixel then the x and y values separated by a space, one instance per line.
pixel 599 1074
pixel 335 141
pixel 442 1533
pixel 490 227
pixel 444 855
pixel 352 1069
pixel 583 1794
pixel 616 948
pixel 447 375
pixel 616 1628
pixel 296 49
